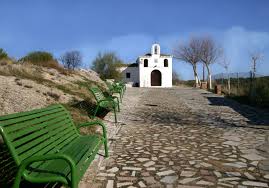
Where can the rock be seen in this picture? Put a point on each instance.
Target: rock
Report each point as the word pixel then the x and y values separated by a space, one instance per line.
pixel 148 164
pixel 169 179
pixel 266 176
pixel 264 165
pixel 110 184
pixel 187 173
pixel 206 164
pixel 249 176
pixel 188 180
pixel 142 159
pixel 131 168
pixel 255 183
pixel 236 164
pixel 141 184
pixel 253 157
pixel 113 170
pixel 233 174
pixel 202 182
pixel 165 173
pixel 232 143
pixel 124 184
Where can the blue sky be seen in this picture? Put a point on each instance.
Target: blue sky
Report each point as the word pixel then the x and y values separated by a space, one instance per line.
pixel 129 28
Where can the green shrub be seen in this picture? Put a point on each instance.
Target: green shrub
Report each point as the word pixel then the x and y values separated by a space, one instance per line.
pixel 106 65
pixel 38 57
pixel 3 54
pixel 44 59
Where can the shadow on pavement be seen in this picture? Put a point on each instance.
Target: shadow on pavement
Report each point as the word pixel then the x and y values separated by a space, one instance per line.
pixel 254 116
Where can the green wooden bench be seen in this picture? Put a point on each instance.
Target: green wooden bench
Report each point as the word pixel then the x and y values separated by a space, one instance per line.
pixel 121 85
pixel 114 89
pixel 108 102
pixel 47 146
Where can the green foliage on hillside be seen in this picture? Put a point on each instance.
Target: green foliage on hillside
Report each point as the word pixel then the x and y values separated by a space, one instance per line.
pixel 44 59
pixel 3 54
pixel 38 57
pixel 106 65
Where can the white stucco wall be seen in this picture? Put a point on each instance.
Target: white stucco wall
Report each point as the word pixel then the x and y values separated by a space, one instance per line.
pixel 142 75
pixel 155 63
pixel 134 75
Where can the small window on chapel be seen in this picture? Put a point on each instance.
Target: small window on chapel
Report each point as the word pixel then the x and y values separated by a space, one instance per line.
pixel 128 75
pixel 165 63
pixel 146 63
pixel 156 50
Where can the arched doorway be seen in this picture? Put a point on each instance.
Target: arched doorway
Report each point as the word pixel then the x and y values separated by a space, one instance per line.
pixel 156 78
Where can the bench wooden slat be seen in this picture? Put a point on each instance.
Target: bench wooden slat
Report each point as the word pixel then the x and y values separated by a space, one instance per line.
pixel 28 116
pixel 38 133
pixel 47 143
pixel 21 114
pixel 62 143
pixel 81 144
pixel 35 125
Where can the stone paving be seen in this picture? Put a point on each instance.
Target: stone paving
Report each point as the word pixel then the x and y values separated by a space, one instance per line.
pixel 183 137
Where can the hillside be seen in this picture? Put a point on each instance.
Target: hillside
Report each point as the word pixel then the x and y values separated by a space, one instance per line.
pixel 26 87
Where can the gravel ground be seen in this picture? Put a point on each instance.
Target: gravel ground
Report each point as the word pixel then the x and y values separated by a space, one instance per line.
pixel 183 137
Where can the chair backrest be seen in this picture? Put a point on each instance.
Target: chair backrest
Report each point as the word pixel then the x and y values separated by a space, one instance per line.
pixel 98 94
pixel 37 132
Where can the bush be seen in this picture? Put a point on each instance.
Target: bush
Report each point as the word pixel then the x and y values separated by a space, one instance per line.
pixel 44 59
pixel 106 66
pixel 3 54
pixel 38 57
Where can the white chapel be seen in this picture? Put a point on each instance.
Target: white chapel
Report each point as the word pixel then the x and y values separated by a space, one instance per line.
pixel 150 70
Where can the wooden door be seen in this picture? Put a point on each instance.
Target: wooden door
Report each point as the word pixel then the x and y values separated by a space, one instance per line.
pixel 156 78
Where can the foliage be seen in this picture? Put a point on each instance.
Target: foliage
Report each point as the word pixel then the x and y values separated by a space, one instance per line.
pixel 44 59
pixel 241 90
pixel 3 54
pixel 175 78
pixel 106 66
pixel 71 59
pixel 37 57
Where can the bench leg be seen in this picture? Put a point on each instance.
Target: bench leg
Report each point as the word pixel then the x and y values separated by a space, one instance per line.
pixel 115 115
pixel 106 147
pixel 17 180
pixel 96 110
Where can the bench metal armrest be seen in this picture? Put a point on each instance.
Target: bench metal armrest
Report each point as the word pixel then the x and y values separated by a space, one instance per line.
pixel 92 123
pixel 97 122
pixel 106 100
pixel 25 163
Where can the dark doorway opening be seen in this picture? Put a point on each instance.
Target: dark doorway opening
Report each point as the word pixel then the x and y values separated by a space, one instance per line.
pixel 156 78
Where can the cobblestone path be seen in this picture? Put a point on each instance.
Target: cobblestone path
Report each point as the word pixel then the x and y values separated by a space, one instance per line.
pixel 184 137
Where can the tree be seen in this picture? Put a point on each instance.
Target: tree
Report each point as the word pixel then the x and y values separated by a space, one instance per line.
pixel 175 78
pixel 3 54
pixel 225 64
pixel 255 57
pixel 106 65
pixel 209 53
pixel 190 53
pixel 71 59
